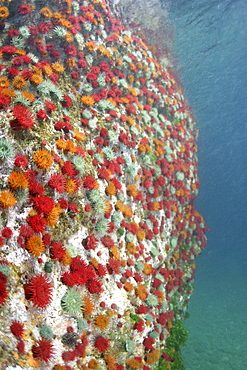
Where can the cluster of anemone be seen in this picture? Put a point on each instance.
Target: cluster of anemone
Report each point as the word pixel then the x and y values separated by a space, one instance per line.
pixel 99 230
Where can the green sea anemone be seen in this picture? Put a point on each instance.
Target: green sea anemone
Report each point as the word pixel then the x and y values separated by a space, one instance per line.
pixel 152 300
pixel 19 99
pixel 47 87
pixel 5 269
pixel 117 217
pixel 79 163
pixel 46 332
pixel 60 31
pixel 81 324
pixel 72 301
pixel 101 226
pixel 18 42
pixel 87 89
pixel 99 206
pixel 93 195
pixel 24 31
pixel 6 149
pixel 109 153
pixel 22 195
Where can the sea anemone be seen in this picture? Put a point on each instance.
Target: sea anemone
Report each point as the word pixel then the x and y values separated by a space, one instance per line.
pixel 43 203
pixel 43 159
pixel 102 344
pixel 135 363
pixel 46 332
pixel 88 306
pixel 39 291
pixel 35 245
pixel 21 161
pixel 7 199
pixel 43 350
pixel 101 226
pixel 17 329
pixel 72 301
pixel 90 242
pixel 18 180
pixel 4 12
pixel 153 356
pixel 7 232
pixel 101 321
pixel 57 182
pixel 152 300
pixel 23 118
pixel 3 293
pixel 37 223
pixel 141 292
pixel 93 364
pixel 89 182
pixel 94 286
pixel 6 149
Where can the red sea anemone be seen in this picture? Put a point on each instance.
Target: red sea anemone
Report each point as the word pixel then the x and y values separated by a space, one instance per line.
pixel 17 329
pixel 24 9
pixel 39 291
pixel 21 161
pixel 94 286
pixel 3 293
pixel 89 182
pixel 23 118
pixel 90 242
pixel 37 223
pixel 43 203
pixel 102 344
pixel 43 350
pixel 57 182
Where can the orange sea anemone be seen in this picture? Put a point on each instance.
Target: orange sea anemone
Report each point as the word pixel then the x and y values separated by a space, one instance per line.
pixel 147 270
pixel 153 356
pixel 7 199
pixel 58 67
pixel 46 12
pixel 111 189
pixel 141 292
pixel 87 100
pixel 71 186
pixel 93 364
pixel 88 306
pixel 128 286
pixel 18 180
pixel 4 12
pixel 19 82
pixel 127 211
pixel 53 216
pixel 36 78
pixel 27 95
pixel 43 159
pixel 35 245
pixel 131 248
pixel 4 82
pixel 101 321
pixel 111 363
pixel 132 190
pixel 141 234
pixel 91 46
pixel 134 363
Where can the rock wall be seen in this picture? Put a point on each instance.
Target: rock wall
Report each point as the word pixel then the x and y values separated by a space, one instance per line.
pixel 99 232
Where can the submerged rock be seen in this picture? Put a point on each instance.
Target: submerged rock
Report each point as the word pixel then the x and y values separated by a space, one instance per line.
pixel 99 232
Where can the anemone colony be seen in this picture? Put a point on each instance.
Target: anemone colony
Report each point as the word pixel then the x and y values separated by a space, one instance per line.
pixel 98 232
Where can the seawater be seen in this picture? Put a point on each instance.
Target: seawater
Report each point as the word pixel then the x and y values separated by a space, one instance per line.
pixel 210 43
